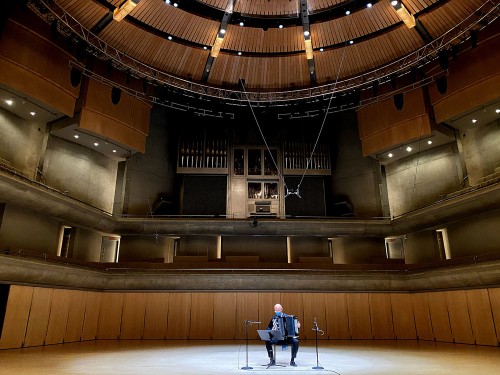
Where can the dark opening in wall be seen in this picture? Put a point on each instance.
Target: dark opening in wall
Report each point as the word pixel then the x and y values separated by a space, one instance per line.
pixel 4 296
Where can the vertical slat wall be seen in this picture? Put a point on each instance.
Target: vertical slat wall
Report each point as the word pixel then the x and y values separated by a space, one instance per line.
pixel 41 316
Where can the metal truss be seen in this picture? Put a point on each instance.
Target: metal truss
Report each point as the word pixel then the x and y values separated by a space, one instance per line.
pixel 70 27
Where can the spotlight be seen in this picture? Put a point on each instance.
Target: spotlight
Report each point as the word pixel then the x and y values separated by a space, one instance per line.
pixel 497 110
pixel 32 113
pixel 96 144
pixel 474 120
pixel 442 85
pixel 390 154
pixel 116 94
pixel 75 77
pixel 76 136
pixel 369 5
pixel 242 24
pixel 321 50
pixel 408 149
pixel 399 101
pixel 307 33
pixel 347 12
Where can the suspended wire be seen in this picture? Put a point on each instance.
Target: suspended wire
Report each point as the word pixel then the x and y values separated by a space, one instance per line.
pixel 280 175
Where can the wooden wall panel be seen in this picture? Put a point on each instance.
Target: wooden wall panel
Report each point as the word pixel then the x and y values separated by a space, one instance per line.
pixel 247 308
pixel 439 316
pixel 358 310
pixel 423 323
pixel 39 316
pixel 58 319
pixel 337 318
pixel 179 316
pixel 134 310
pixel 381 316
pixel 494 294
pixel 481 317
pixel 16 316
pixel 459 317
pixel 110 316
pixel 266 306
pixel 91 320
pixel 202 316
pixel 403 316
pixel 76 316
pixel 225 316
pixel 156 316
pixel 293 304
pixel 314 308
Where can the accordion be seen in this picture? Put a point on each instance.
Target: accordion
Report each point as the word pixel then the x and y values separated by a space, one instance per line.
pixel 287 325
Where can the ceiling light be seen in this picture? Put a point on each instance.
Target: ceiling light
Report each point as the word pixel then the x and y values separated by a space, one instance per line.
pixel 390 155
pixel 32 113
pixel 96 144
pixel 369 5
pixel 408 149
pixel 351 41
pixel 280 26
pixel 474 120
pixel 242 23
pixel 394 3
pixel 239 53
pixel 9 102
pixel 429 142
pixel 497 110
pixel 114 151
pixel 307 33
pixel 204 47
pixel 222 31
pixel 347 12
pixel 167 1
pixel 127 7
pixel 176 5
pixel 76 136
pixel 169 37
pixel 321 50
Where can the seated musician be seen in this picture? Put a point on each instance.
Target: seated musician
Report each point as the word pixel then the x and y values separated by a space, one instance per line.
pixel 274 325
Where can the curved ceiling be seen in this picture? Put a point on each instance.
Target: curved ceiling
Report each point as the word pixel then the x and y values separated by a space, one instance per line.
pixel 179 40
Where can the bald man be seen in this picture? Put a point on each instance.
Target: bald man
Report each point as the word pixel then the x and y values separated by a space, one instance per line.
pixel 274 325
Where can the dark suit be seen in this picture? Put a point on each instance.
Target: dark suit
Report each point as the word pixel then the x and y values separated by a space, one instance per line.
pixel 293 341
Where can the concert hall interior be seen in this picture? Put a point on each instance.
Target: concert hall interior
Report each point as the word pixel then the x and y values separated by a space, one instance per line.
pixel 169 171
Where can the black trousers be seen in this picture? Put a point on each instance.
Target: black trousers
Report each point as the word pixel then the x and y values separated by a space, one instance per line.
pixel 294 342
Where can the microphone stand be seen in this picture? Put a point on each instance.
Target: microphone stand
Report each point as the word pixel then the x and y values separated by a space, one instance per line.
pixel 316 329
pixel 247 323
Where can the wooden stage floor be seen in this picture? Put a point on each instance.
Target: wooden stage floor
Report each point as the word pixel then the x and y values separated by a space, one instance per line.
pixel 228 357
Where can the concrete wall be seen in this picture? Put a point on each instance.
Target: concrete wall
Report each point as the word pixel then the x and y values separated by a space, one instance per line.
pixel 83 173
pixel 423 178
pixel 87 245
pixel 146 247
pixel 152 174
pixel 24 229
pixel 308 247
pixel 20 142
pixel 355 179
pixel 268 248
pixel 421 247
pixel 481 150
pixel 198 245
pixel 357 250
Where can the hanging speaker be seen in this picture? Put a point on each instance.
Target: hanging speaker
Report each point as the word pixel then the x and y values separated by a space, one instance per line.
pixel 442 85
pixel 473 38
pixel 116 94
pixel 375 88
pixel 399 101
pixel 443 59
pixel 75 77
pixel 144 85
pixel 394 79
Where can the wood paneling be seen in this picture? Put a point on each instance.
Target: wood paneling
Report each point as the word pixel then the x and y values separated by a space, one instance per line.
pixel 76 316
pixel 266 306
pixel 358 310
pixel 225 316
pixel 439 316
pixel 179 316
pixel 314 308
pixel 39 316
pixel 423 323
pixel 110 316
pixel 58 319
pixel 247 308
pixel 202 316
pixel 495 308
pixel 481 317
pixel 458 313
pixel 403 316
pixel 337 319
pixel 156 316
pixel 381 316
pixel 134 309
pixel 91 320
pixel 16 316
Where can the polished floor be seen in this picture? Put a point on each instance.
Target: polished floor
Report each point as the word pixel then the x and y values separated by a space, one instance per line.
pixel 228 357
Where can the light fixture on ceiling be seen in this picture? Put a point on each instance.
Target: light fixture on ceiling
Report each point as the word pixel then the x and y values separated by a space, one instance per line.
pixel 347 12
pixel 403 14
pixel 390 154
pixel 429 142
pixel 239 53
pixel 408 149
pixel 474 120
pixel 32 113
pixel 222 31
pixel 9 102
pixel 96 144
pixel 321 50
pixel 351 41
pixel 76 136
pixel 242 24
pixel 169 37
pixel 280 26
pixel 307 33
pixel 369 5
pixel 497 110
pixel 127 7
pixel 176 5
pixel 114 151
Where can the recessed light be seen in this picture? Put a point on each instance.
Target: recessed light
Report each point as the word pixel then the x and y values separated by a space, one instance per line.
pixel 408 149
pixel 239 53
pixel 321 50
pixel 347 12
pixel 169 37
pixel 429 142
pixel 390 154
pixel 32 113
pixel 394 3
pixel 242 23
pixel 96 144
pixel 114 151
pixel 176 5
pixel 76 136
pixel 474 120
pixel 167 1
pixel 9 102
pixel 280 26
pixel 222 31
pixel 497 110
pixel 369 5
pixel 307 33
pixel 204 47
pixel 351 41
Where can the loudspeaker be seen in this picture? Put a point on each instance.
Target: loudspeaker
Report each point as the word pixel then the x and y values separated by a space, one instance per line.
pixel 116 94
pixel 75 77
pixel 399 101
pixel 442 85
pixel 394 82
pixel 375 88
pixel 443 59
pixel 473 38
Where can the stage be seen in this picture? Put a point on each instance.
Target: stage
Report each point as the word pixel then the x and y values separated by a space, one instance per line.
pixel 228 357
